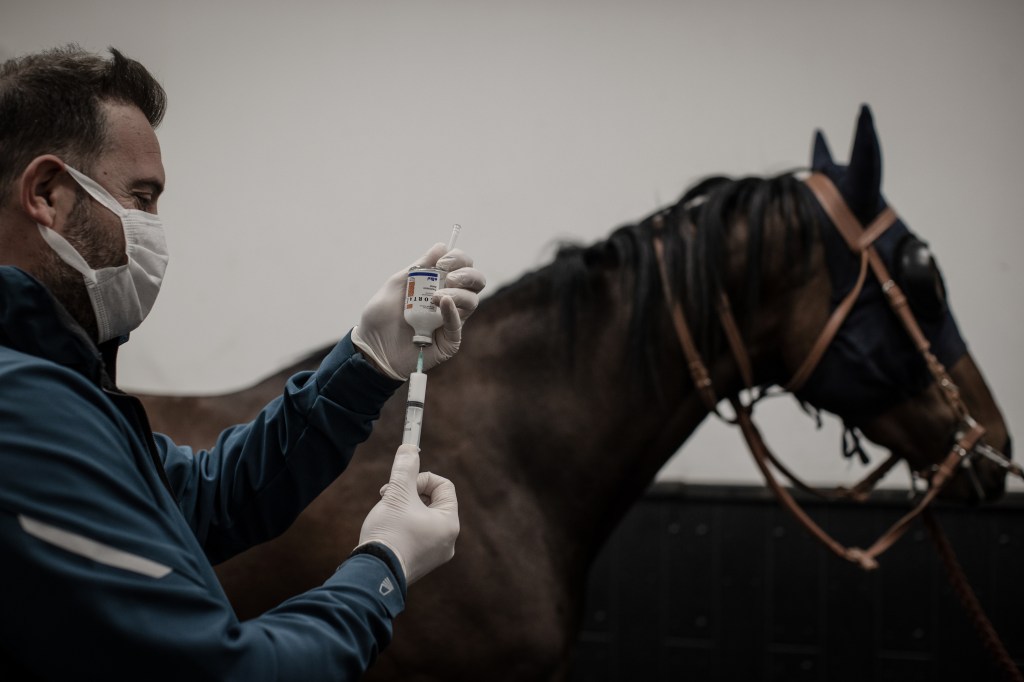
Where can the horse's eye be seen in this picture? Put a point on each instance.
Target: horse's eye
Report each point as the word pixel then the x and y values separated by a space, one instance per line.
pixel 919 277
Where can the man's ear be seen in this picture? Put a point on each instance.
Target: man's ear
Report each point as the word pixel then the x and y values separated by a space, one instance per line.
pixel 45 192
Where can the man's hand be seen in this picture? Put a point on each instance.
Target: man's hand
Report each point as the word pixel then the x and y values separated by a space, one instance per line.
pixel 417 517
pixel 385 338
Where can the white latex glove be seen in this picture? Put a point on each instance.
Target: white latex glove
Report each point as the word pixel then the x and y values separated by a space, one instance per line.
pixel 385 338
pixel 417 517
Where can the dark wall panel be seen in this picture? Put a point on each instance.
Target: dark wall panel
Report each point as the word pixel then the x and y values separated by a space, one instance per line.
pixel 734 589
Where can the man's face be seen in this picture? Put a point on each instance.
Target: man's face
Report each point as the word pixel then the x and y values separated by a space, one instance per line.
pixel 131 170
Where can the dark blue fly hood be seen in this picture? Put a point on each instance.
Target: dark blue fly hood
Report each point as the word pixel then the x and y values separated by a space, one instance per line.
pixel 872 363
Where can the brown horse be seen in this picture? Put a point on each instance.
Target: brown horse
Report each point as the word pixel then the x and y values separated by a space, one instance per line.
pixel 571 392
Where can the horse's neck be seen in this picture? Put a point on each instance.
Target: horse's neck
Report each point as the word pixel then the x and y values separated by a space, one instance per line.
pixel 576 425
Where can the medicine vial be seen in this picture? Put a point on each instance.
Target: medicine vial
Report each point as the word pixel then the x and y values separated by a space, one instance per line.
pixel 422 315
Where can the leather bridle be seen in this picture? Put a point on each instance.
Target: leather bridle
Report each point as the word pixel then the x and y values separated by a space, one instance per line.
pixel 860 240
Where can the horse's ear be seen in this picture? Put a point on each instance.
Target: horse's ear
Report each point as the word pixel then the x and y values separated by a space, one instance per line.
pixel 821 157
pixel 864 174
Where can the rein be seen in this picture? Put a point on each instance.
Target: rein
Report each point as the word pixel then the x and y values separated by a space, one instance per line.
pixel 860 240
pixel 968 443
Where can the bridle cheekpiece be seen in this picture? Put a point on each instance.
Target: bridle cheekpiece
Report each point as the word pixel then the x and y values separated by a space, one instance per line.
pixel 860 240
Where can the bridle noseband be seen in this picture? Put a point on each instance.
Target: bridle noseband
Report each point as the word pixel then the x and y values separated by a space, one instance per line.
pixel 860 241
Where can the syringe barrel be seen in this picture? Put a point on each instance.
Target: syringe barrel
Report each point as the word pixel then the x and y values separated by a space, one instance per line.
pixel 413 426
pixel 417 387
pixel 414 409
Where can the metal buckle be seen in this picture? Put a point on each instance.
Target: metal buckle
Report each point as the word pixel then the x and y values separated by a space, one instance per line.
pixel 993 455
pixel 919 483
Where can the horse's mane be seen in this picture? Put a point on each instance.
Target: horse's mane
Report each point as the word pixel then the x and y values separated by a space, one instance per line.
pixel 695 232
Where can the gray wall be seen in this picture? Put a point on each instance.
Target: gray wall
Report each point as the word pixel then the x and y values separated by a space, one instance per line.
pixel 313 148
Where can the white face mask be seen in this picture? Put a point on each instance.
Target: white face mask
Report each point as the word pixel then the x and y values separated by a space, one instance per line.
pixel 121 296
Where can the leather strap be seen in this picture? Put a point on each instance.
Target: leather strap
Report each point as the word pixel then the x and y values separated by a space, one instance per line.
pixel 865 558
pixel 735 341
pixel 861 242
pixel 836 320
pixel 698 371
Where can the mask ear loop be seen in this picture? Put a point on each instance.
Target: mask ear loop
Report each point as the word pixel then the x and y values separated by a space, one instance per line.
pixel 58 243
pixel 96 191
pixel 67 253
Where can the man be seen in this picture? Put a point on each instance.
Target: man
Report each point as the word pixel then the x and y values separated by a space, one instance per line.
pixel 108 532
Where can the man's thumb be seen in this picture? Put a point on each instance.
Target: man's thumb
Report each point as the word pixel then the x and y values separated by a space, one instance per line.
pixel 405 468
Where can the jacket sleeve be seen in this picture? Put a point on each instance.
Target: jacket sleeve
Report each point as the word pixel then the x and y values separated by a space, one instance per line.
pixel 256 479
pixel 102 579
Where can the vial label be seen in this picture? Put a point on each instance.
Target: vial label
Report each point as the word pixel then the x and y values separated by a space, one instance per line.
pixel 422 286
pixel 422 315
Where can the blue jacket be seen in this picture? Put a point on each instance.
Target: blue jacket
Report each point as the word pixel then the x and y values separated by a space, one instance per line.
pixel 105 574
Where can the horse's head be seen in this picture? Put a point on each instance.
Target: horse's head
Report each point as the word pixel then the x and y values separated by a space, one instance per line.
pixel 873 373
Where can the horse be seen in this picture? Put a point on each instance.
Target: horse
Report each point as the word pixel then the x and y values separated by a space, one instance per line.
pixel 571 391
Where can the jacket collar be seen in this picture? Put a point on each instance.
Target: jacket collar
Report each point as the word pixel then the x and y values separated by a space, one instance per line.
pixel 32 321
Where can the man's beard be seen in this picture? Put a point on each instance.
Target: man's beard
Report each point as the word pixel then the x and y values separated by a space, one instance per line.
pixel 65 283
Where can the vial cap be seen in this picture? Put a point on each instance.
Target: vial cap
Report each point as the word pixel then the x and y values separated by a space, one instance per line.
pixel 420 340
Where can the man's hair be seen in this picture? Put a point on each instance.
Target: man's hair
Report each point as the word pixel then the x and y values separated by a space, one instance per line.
pixel 50 103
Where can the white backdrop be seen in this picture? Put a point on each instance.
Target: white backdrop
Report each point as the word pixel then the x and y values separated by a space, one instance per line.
pixel 314 147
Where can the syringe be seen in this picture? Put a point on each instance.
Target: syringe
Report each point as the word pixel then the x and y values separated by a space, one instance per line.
pixel 455 235
pixel 418 379
pixel 414 409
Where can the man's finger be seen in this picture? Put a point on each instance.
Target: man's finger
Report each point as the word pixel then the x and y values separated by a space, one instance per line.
pixel 469 279
pixel 450 318
pixel 439 490
pixel 429 259
pixel 453 260
pixel 405 469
